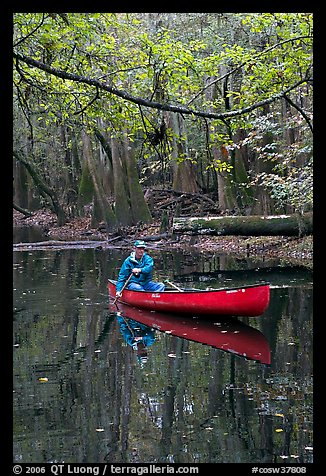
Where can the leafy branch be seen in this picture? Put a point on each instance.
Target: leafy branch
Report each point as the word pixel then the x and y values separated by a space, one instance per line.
pixel 250 60
pixel 153 104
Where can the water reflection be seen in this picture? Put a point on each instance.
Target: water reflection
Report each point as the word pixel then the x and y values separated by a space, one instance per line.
pixel 190 403
pixel 228 334
pixel 139 336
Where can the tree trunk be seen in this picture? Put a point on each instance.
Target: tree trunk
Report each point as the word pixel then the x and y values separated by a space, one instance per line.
pixel 281 225
pixel 86 189
pixel 225 186
pixel 184 171
pixel 139 208
pixel 121 193
pixel 103 207
pixel 20 188
pixel 263 203
pixel 241 167
pixel 105 157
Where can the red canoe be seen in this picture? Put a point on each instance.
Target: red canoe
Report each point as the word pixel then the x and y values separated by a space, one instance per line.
pixel 229 335
pixel 250 300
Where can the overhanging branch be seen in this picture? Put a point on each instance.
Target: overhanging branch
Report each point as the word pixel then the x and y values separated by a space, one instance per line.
pixel 152 104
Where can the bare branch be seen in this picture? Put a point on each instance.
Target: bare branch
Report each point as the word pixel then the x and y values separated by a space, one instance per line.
pixel 298 108
pixel 89 104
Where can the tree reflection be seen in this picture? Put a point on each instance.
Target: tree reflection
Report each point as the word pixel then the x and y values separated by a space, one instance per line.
pixel 190 402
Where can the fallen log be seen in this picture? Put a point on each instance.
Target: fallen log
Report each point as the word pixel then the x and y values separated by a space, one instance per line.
pixel 254 225
pixel 83 244
pixel 59 245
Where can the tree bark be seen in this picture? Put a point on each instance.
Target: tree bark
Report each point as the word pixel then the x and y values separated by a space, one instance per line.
pixel 225 184
pixel 139 209
pixel 100 199
pixel 272 225
pixel 263 202
pixel 121 191
pixel 184 171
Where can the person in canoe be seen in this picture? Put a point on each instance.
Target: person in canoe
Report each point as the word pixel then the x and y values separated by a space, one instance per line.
pixel 140 265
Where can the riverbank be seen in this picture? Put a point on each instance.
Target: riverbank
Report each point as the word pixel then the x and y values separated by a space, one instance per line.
pixel 292 250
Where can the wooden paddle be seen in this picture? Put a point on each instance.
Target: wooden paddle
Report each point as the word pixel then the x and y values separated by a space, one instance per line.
pixel 127 324
pixel 125 284
pixel 176 287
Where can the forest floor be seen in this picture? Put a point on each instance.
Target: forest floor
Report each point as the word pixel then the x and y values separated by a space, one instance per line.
pixel 289 250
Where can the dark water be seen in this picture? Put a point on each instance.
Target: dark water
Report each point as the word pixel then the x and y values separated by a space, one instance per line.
pixel 82 395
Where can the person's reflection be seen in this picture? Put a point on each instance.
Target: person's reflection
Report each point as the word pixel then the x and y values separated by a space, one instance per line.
pixel 137 335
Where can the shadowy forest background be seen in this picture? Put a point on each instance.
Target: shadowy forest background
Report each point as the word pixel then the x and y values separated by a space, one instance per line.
pixel 112 109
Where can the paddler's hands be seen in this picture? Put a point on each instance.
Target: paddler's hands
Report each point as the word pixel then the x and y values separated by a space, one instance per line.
pixel 118 294
pixel 136 271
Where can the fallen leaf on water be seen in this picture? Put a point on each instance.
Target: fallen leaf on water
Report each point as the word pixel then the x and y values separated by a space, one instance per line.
pixel 279 414
pixel 99 429
pixel 278 430
pixel 43 379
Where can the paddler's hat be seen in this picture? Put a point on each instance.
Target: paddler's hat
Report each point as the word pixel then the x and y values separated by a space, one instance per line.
pixel 140 244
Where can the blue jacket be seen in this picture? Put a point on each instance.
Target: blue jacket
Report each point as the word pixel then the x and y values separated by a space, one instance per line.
pixel 146 264
pixel 131 329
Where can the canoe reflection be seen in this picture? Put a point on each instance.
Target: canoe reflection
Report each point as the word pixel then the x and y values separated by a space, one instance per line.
pixel 227 334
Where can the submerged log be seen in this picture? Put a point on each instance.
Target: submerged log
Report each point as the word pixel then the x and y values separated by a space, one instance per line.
pixel 276 276
pixel 272 225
